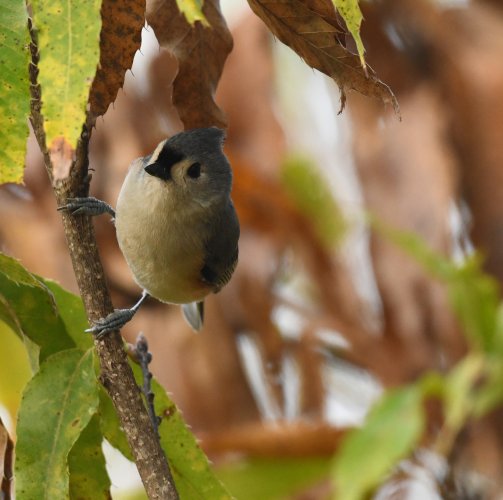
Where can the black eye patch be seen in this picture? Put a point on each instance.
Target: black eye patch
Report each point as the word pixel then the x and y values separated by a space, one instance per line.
pixel 161 167
pixel 194 171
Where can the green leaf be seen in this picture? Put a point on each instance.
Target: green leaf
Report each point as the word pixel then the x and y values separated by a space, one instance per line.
pixel 68 39
pixel 475 299
pixel 474 295
pixel 270 479
pixel 367 455
pixel 72 313
pixel 490 393
pixel 498 340
pixel 29 308
pixel 17 273
pixel 412 244
pixel 14 89
pixel 352 15
pixel 192 10
pixel 88 475
pixel 432 384
pixel 191 469
pixel 57 405
pixel 459 389
pixel 312 196
pixel 459 399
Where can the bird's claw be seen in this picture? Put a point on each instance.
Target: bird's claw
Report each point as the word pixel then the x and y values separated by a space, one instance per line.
pixel 86 206
pixel 114 321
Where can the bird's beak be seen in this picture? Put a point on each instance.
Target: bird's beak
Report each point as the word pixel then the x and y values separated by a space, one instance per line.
pixel 157 170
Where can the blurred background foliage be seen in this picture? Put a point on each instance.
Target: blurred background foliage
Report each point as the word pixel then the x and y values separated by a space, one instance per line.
pixel 357 285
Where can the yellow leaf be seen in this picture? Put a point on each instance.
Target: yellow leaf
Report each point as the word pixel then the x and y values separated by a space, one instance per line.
pixel 14 370
pixel 352 15
pixel 68 41
pixel 192 10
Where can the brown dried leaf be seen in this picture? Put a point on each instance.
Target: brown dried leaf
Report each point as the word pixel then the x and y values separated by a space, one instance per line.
pixel 6 448
pixel 326 10
pixel 120 38
pixel 290 439
pixel 309 30
pixel 201 52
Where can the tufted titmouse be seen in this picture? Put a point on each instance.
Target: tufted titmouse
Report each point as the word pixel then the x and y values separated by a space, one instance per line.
pixel 176 224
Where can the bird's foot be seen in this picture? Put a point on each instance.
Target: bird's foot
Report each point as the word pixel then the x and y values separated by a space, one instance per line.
pixel 114 321
pixel 87 206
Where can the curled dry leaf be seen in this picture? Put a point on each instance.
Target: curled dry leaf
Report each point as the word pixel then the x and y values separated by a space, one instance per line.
pixel 201 53
pixel 120 38
pixel 326 10
pixel 305 29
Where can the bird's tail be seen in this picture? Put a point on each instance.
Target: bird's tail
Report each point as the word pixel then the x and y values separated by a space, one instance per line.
pixel 194 314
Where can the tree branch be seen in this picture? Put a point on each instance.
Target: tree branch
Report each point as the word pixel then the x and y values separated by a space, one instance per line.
pixel 116 374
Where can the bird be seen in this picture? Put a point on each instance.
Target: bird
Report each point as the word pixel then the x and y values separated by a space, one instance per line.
pixel 176 224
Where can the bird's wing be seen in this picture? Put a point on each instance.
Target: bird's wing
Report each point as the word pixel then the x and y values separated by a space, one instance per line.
pixel 221 249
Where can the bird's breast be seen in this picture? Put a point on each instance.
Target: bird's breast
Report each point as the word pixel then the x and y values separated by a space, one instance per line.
pixel 163 250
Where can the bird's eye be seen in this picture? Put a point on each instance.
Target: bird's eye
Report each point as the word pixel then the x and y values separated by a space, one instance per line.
pixel 194 171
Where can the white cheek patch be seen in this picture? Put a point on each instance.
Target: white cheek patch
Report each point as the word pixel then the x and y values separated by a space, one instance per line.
pixel 179 171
